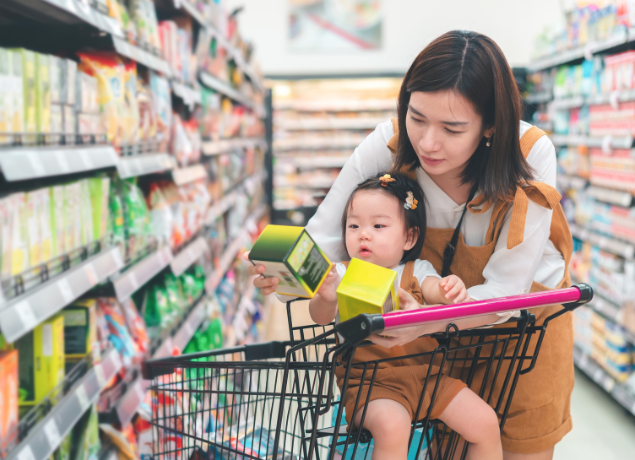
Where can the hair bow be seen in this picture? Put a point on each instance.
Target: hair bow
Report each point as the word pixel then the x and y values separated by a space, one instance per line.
pixel 410 203
pixel 386 179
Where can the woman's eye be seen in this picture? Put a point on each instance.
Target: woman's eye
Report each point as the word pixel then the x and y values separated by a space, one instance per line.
pixel 416 120
pixel 452 132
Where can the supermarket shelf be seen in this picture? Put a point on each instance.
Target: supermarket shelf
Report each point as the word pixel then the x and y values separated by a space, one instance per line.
pixel 230 253
pixel 140 165
pixel 538 98
pixel 605 243
pixel 596 99
pixel 188 255
pixel 333 123
pixel 337 105
pixel 190 95
pixel 224 88
pixel 22 163
pixel 606 195
pixel 140 273
pixel 606 141
pixel 618 391
pixel 190 174
pixel 127 406
pixel 583 51
pixel 566 182
pixel 191 9
pixel 314 162
pixel 227 145
pixel 45 437
pixel 317 184
pixel 317 143
pixel 22 314
pixel 221 207
pixel 185 333
pixel 141 56
pixel 568 103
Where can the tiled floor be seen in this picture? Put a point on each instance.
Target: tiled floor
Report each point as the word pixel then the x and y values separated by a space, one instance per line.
pixel 602 429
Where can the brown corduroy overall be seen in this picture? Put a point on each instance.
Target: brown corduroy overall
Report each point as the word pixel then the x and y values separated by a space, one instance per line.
pixel 539 415
pixel 401 380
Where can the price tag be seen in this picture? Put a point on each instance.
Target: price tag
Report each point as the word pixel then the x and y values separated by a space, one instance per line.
pixel 26 453
pixel 26 315
pixel 116 255
pixel 86 159
pixel 101 378
pixel 597 375
pixel 133 281
pixel 60 156
pixel 52 434
pixel 82 397
pixel 36 164
pixel 609 383
pixel 65 290
pixel 92 275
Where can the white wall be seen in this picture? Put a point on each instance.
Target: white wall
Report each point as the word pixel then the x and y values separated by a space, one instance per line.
pixel 408 26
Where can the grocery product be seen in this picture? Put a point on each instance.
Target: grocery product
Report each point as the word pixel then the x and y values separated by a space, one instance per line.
pixel 29 69
pixel 42 93
pixel 80 329
pixel 291 255
pixel 99 192
pixel 118 336
pixel 8 399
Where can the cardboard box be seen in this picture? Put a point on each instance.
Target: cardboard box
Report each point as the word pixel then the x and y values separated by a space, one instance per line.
pixel 43 93
pixel 99 188
pixel 86 213
pixel 56 202
pixel 80 329
pixel 41 364
pixel 72 216
pixel 19 233
pixel 8 399
pixel 29 90
pixel 291 255
pixel 366 288
pixel 33 205
pixel 16 92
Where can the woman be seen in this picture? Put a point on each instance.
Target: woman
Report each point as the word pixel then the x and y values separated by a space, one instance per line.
pixel 459 133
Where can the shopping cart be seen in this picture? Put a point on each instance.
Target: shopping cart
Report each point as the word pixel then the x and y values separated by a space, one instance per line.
pixel 280 400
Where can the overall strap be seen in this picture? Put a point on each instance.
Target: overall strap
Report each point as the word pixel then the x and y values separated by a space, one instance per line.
pixel 407 275
pixel 450 249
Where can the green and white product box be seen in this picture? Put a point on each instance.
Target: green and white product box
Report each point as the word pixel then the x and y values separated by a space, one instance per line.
pixel 290 254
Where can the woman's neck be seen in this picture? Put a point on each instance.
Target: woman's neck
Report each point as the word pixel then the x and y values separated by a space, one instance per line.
pixel 452 186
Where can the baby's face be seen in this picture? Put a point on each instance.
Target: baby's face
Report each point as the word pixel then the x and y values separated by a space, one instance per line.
pixel 375 231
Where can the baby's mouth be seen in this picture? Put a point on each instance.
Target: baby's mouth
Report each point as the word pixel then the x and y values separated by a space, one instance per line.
pixel 364 251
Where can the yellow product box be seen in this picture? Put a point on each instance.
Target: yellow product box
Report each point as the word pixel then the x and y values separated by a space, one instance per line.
pixel 291 255
pixel 43 93
pixel 99 188
pixel 29 90
pixel 46 230
pixel 366 288
pixel 8 399
pixel 33 205
pixel 41 367
pixel 80 328
pixel 72 216
pixel 5 95
pixel 19 233
pixel 86 213
pixel 58 228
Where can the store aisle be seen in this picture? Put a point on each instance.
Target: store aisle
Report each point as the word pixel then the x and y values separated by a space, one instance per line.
pixel 602 429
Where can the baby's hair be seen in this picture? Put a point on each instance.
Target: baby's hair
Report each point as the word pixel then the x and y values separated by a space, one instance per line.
pixel 414 219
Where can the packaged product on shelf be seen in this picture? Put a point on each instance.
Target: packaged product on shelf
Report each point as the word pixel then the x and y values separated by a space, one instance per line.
pixel 34 209
pixel 41 360
pixel 174 291
pixel 5 97
pixel 87 93
pixel 136 216
pixel 72 216
pixel 119 336
pixel 6 228
pixel 109 71
pixel 116 217
pixel 162 104
pixel 8 399
pixel 42 93
pixel 86 213
pixel 11 94
pixel 80 329
pixel 64 450
pixel 99 189
pixel 131 105
pixel 291 255
pixel 167 35
pixel 180 146
pixel 29 90
pixel 46 229
pixel 69 82
pixel 143 15
pixel 136 326
pixel 57 119
pixel 147 118
pixel 19 258
pixel 156 307
pixel 69 120
pixel 55 77
pixel 161 215
pixel 86 443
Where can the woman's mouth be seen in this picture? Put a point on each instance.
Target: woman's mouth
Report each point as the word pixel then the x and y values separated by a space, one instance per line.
pixel 364 251
pixel 430 161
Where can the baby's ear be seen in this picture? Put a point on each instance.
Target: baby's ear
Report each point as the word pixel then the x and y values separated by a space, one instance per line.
pixel 411 240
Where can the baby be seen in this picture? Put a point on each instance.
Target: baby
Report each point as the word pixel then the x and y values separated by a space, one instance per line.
pixel 384 223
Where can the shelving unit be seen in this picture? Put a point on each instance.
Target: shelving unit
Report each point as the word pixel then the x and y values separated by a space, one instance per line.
pixel 31 162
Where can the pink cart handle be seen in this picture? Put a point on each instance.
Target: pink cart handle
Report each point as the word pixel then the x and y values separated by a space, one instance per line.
pixel 439 313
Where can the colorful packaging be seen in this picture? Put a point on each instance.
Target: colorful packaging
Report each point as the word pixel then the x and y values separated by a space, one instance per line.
pixel 46 229
pixel 70 120
pixel 86 442
pixel 131 105
pixel 6 228
pixel 80 329
pixel 72 216
pixel 117 218
pixel 41 364
pixel 99 188
pixel 291 255
pixel 56 202
pixel 366 288
pixel 29 90
pixel 55 69
pixel 86 213
pixel 33 205
pixel 5 94
pixel 136 326
pixel 42 93
pixel 19 233
pixel 8 399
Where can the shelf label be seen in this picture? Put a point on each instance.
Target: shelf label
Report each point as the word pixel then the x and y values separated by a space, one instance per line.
pixel 161 258
pixel 133 280
pixel 84 403
pixel 116 255
pixel 65 290
pixel 86 159
pixel 60 156
pixel 52 434
pixel 101 378
pixel 26 453
pixel 26 315
pixel 92 275
pixel 36 164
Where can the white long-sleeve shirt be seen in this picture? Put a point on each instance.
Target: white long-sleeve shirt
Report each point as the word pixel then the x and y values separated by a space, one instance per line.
pixel 508 272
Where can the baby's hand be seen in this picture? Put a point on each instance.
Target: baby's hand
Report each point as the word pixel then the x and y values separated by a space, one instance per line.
pixel 453 289
pixel 328 290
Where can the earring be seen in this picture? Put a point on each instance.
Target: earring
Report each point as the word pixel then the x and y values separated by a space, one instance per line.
pixel 489 142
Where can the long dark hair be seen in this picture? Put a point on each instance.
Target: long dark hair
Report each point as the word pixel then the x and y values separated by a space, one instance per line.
pixel 414 219
pixel 475 67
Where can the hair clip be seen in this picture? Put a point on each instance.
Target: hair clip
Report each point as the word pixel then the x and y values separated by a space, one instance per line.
pixel 386 179
pixel 410 203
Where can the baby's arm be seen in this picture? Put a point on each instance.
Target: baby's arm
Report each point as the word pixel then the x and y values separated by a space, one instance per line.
pixel 448 290
pixel 323 307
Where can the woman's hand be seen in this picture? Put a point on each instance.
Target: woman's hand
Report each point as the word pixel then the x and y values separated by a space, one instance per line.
pixel 404 335
pixel 266 285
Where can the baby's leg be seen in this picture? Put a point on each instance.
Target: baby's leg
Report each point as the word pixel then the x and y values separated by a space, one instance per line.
pixel 389 422
pixel 476 422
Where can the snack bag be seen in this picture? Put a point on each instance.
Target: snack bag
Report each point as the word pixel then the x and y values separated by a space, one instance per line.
pixel 136 326
pixel 131 105
pixel 109 71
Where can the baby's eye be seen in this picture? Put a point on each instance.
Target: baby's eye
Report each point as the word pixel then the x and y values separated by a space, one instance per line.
pixel 378 226
pixel 353 226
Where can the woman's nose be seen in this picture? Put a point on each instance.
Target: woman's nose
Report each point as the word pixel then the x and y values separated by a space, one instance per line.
pixel 429 141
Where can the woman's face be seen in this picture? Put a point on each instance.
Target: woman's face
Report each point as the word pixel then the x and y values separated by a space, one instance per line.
pixel 444 130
